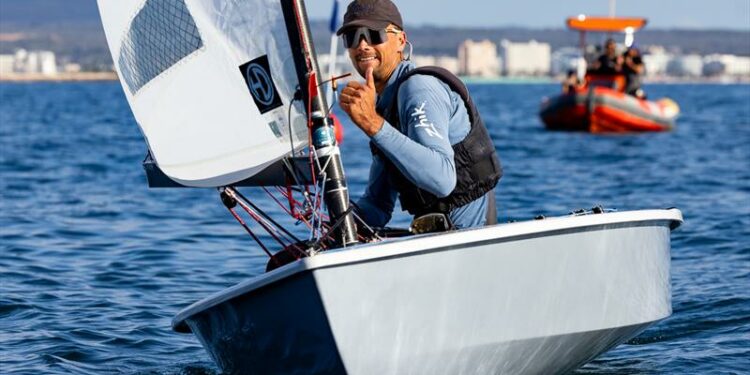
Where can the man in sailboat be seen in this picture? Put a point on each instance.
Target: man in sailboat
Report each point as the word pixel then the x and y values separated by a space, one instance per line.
pixel 430 147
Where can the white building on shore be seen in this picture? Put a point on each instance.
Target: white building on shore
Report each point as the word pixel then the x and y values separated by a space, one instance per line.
pixel 656 59
pixel 531 58
pixel 47 63
pixel 685 66
pixel 726 65
pixel 448 63
pixel 7 64
pixel 478 59
pixel 43 62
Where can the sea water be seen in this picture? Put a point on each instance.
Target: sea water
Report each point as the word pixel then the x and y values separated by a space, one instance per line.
pixel 94 265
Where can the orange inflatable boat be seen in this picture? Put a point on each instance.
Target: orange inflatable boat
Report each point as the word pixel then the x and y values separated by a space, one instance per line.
pixel 599 104
pixel 601 108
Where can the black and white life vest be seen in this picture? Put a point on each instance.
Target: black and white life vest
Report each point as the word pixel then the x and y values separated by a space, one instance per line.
pixel 477 166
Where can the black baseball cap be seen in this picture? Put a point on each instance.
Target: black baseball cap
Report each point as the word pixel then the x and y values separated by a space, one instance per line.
pixel 374 14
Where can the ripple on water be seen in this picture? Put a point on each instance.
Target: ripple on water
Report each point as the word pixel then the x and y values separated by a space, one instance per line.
pixel 14 306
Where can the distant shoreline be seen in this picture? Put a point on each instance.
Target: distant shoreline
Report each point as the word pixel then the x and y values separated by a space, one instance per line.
pixel 530 80
pixel 112 76
pixel 59 77
pixel 526 80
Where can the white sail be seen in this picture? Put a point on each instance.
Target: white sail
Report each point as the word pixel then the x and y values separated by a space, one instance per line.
pixel 210 83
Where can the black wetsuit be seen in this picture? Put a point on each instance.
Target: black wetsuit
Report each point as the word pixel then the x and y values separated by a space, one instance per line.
pixel 633 77
pixel 607 65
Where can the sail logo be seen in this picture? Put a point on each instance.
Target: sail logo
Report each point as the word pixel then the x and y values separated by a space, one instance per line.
pixel 260 83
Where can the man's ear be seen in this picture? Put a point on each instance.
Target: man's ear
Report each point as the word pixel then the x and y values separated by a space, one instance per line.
pixel 402 41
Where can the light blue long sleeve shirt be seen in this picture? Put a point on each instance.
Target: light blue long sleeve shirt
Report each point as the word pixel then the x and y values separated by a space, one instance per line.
pixel 433 118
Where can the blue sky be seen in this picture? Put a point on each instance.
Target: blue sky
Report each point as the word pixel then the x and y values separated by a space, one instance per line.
pixel 693 14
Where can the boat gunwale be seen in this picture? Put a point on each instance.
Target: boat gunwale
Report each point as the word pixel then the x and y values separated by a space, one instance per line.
pixel 423 244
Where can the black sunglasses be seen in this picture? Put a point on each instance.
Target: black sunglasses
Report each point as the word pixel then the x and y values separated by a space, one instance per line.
pixel 372 37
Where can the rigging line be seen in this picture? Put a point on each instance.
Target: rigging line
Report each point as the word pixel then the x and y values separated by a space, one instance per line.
pixel 304 220
pixel 311 162
pixel 252 212
pixel 289 121
pixel 290 199
pixel 319 191
pixel 318 204
pixel 295 188
pixel 249 231
pixel 290 187
pixel 294 214
pixel 328 161
pixel 316 158
pixel 314 217
pixel 329 154
pixel 333 227
pixel 294 170
pixel 323 176
pixel 334 88
pixel 334 100
pixel 289 212
pixel 292 236
pixel 271 231
pixel 268 228
pixel 369 228
pixel 322 189
pixel 316 192
pixel 323 168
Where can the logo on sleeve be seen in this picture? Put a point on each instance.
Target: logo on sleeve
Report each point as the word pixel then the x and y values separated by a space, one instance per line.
pixel 421 115
pixel 259 81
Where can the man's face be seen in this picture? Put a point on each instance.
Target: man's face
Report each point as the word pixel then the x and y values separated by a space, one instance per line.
pixel 383 57
pixel 611 48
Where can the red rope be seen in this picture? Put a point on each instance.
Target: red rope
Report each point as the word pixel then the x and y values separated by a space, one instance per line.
pixel 249 231
pixel 287 210
pixel 262 223
pixel 292 202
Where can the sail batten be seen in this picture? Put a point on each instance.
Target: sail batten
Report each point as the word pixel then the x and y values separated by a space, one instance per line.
pixel 210 83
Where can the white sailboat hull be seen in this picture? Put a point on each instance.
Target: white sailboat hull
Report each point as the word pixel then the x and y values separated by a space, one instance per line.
pixel 534 297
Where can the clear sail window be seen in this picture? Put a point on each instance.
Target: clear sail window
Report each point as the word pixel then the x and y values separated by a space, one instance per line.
pixel 161 34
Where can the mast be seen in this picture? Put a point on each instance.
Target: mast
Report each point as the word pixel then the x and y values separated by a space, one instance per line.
pixel 336 193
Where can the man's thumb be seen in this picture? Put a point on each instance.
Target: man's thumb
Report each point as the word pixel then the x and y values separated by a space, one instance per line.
pixel 369 78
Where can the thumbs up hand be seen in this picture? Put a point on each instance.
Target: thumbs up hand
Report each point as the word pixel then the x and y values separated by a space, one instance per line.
pixel 370 80
pixel 358 101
